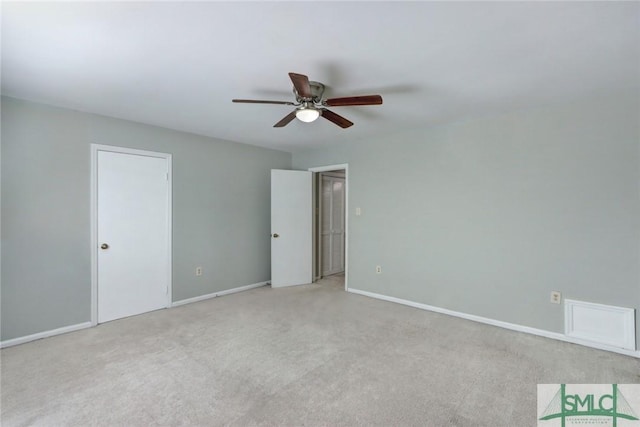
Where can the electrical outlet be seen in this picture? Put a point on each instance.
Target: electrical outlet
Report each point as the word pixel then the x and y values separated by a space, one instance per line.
pixel 378 269
pixel 556 297
pixel 198 271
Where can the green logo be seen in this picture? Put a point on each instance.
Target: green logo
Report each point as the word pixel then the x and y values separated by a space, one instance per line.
pixel 586 405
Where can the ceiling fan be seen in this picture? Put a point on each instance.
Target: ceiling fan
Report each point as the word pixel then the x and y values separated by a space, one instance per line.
pixel 310 104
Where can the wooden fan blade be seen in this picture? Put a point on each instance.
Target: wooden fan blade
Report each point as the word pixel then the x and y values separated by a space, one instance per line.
pixel 354 100
pixel 285 121
pixel 336 118
pixel 256 101
pixel 301 83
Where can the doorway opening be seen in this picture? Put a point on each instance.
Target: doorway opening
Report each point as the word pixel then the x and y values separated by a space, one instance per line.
pixel 330 224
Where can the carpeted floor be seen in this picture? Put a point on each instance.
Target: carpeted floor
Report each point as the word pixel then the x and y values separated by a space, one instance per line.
pixel 308 355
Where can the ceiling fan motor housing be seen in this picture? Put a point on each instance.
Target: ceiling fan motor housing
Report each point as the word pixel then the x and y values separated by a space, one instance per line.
pixel 317 90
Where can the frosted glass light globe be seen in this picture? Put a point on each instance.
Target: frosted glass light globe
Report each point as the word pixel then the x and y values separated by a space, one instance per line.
pixel 307 115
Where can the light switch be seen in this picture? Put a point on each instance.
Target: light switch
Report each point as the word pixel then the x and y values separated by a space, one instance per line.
pixel 358 211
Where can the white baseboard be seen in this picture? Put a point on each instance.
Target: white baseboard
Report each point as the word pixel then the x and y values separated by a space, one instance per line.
pixel 71 328
pixel 219 294
pixel 45 334
pixel 501 324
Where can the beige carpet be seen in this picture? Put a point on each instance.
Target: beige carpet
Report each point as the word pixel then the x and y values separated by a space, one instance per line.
pixel 308 355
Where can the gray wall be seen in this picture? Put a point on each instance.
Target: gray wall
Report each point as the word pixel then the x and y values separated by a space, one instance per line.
pixel 221 199
pixel 489 216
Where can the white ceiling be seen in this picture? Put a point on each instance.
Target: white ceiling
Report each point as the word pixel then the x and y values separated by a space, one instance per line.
pixel 178 65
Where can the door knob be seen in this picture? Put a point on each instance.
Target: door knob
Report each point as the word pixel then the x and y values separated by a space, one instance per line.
pixel 104 246
pixel 275 235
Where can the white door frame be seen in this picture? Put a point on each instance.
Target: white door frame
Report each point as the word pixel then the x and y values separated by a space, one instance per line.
pixel 328 168
pixel 95 148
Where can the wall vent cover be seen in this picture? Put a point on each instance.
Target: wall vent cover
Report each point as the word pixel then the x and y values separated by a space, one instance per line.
pixel 604 324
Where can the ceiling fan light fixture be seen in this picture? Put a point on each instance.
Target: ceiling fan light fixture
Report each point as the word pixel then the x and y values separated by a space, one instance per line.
pixel 310 104
pixel 307 114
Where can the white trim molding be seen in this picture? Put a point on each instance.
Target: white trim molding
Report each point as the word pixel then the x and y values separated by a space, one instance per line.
pixel 500 324
pixel 45 334
pixel 219 294
pixel 599 323
pixel 85 325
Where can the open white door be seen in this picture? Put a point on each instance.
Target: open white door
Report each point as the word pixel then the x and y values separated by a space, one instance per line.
pixel 291 228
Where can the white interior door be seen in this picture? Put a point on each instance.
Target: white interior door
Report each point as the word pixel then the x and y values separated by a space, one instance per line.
pixel 133 258
pixel 291 228
pixel 332 224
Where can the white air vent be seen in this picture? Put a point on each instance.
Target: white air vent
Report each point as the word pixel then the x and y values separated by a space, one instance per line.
pixel 604 324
